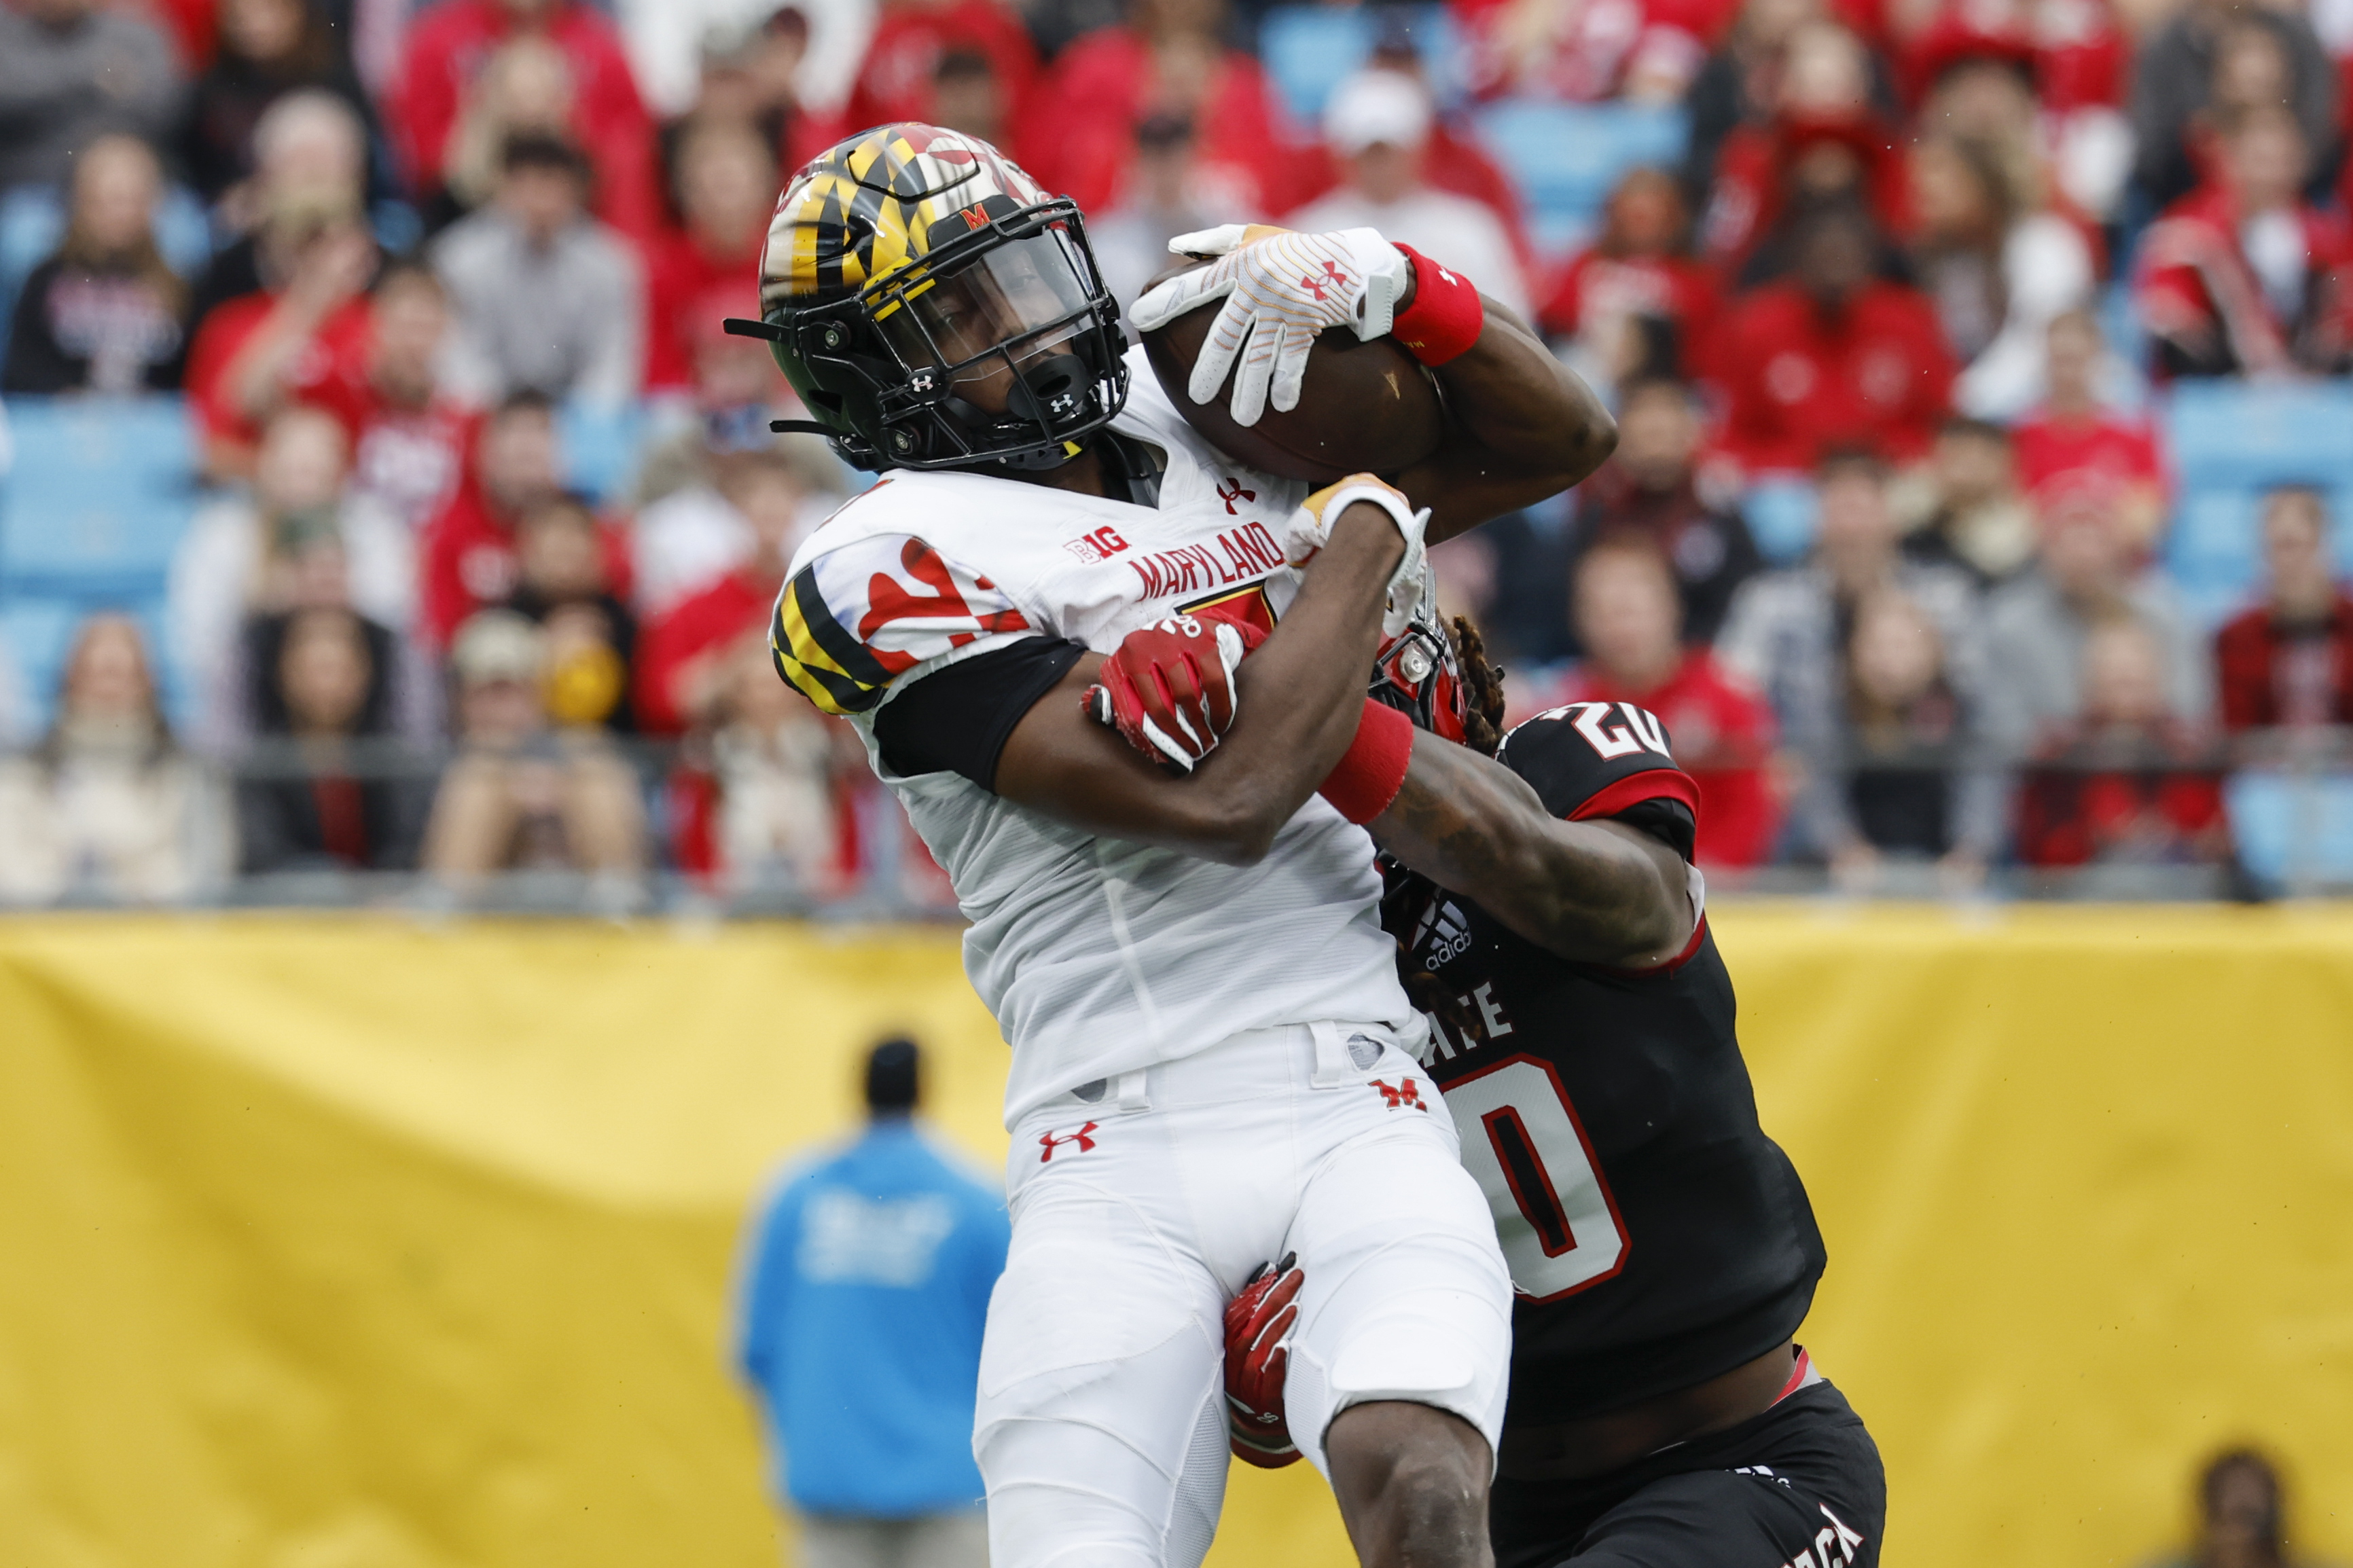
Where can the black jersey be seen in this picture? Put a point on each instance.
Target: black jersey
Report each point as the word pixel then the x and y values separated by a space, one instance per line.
pixel 1656 1237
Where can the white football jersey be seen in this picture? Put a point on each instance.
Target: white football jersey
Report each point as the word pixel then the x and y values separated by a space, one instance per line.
pixel 1096 956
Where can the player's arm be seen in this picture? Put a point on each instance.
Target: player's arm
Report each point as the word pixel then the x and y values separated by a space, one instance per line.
pixel 1305 698
pixel 1521 426
pixel 1596 891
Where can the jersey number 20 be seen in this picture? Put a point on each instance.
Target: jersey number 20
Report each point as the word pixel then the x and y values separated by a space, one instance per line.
pixel 1554 1214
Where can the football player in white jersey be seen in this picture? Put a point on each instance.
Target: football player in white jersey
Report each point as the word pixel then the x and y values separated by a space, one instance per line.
pixel 1213 1062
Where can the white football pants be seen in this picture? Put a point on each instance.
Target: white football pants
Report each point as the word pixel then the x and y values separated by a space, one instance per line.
pixel 1141 1204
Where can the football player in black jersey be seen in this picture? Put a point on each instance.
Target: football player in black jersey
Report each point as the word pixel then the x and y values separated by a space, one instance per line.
pixel 1662 1250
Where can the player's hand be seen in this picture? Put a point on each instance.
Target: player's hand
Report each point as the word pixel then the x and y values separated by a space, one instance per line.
pixel 1168 688
pixel 1256 1321
pixel 1280 289
pixel 1309 530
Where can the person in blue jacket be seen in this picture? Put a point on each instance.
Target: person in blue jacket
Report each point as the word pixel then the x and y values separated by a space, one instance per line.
pixel 865 1285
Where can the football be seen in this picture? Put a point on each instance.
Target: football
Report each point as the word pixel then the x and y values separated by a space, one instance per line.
pixel 1364 407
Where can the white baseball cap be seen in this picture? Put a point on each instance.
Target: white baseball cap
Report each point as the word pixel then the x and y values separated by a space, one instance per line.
pixel 1375 107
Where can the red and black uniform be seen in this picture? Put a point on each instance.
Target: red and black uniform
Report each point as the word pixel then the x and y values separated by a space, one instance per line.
pixel 1657 1237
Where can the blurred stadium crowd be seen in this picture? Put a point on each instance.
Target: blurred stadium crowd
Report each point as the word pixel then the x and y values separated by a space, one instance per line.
pixel 384 514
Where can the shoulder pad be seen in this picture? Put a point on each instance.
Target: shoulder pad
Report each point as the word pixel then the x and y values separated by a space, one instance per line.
pixel 854 618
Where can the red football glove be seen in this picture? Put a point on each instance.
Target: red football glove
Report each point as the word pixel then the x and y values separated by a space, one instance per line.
pixel 1168 688
pixel 1256 1321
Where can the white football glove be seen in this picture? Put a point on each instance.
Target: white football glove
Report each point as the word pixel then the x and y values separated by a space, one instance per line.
pixel 1309 530
pixel 1280 289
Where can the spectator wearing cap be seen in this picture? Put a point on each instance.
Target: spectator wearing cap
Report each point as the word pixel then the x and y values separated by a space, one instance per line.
pixel 1168 57
pixel 2244 277
pixel 1833 358
pixel 1636 304
pixel 1378 125
pixel 865 1281
pixel 522 795
pixel 2088 573
pixel 72 71
pixel 547 298
pixel 2287 662
pixel 451 42
pixel 2077 433
pixel 104 312
pixel 1997 268
pixel 1650 490
pixel 725 174
pixel 2208 59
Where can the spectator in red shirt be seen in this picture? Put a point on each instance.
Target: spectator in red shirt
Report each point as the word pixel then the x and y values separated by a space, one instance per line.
pixel 2074 434
pixel 1636 303
pixel 2289 661
pixel 454 42
pixel 2128 782
pixel 683 663
pixel 1624 601
pixel 468 549
pixel 2243 277
pixel 899 77
pixel 305 327
pixel 1833 358
pixel 1646 51
pixel 1168 57
pixel 409 435
pixel 527 87
pixel 727 181
pixel 751 77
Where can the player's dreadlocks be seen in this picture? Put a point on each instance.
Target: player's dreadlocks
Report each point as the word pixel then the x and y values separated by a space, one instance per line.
pixel 1483 732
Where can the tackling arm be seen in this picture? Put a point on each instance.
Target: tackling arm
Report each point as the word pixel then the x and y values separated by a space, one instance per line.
pixel 1305 700
pixel 1523 427
pixel 1592 893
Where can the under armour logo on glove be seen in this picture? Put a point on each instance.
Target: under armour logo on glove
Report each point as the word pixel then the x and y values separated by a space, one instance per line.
pixel 1280 289
pixel 1053 1141
pixel 1408 1092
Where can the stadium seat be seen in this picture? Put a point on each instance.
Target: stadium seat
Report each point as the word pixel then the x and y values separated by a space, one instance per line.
pixel 1567 157
pixel 1308 50
pixel 36 632
pixel 1781 514
pixel 2293 832
pixel 100 494
pixel 597 446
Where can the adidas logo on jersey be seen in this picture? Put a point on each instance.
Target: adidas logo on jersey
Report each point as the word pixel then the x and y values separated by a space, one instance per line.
pixel 1444 932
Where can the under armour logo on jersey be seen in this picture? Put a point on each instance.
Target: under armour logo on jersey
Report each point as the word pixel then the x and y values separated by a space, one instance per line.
pixel 1408 1092
pixel 1233 495
pixel 1052 1141
pixel 1332 275
pixel 1837 1539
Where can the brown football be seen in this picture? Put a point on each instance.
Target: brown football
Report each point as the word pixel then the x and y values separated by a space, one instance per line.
pixel 1364 406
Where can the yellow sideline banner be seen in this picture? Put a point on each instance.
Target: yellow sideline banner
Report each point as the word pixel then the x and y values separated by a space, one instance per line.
pixel 352 1243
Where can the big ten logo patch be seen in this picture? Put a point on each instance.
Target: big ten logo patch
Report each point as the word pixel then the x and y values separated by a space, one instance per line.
pixel 1101 545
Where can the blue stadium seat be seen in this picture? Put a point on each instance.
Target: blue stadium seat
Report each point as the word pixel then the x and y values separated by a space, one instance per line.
pixel 102 490
pixel 1308 50
pixel 1565 158
pixel 2230 442
pixel 597 446
pixel 2293 830
pixel 1781 514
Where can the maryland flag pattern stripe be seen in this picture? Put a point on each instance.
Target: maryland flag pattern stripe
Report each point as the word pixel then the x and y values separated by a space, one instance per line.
pixel 857 618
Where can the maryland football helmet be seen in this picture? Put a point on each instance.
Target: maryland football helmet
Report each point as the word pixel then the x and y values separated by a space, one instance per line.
pixel 934 308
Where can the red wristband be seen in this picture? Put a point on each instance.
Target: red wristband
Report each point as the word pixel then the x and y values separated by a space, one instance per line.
pixel 1372 770
pixel 1446 315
